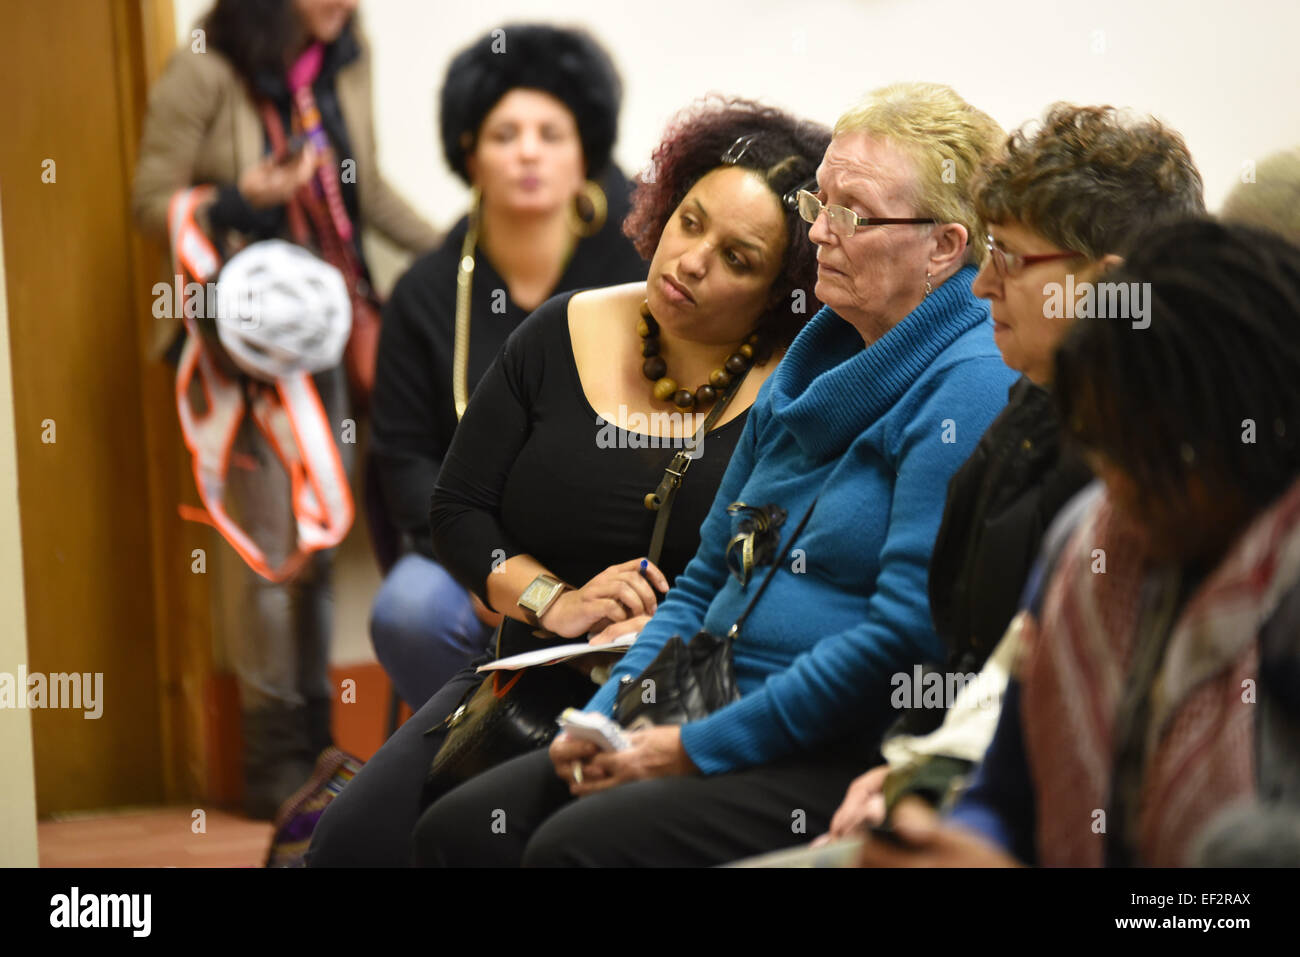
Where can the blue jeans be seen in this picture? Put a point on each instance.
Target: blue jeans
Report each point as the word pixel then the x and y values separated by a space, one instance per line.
pixel 424 628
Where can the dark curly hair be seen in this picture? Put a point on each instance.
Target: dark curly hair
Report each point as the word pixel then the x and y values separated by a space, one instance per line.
pixel 783 149
pixel 1219 361
pixel 568 64
pixel 1090 180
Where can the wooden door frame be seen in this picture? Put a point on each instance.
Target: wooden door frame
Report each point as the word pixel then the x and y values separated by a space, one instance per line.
pixel 145 36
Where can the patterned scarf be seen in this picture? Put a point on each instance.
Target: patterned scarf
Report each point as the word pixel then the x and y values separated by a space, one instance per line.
pixel 318 218
pixel 1200 733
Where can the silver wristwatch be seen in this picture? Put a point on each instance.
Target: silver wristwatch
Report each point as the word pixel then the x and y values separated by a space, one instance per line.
pixel 539 596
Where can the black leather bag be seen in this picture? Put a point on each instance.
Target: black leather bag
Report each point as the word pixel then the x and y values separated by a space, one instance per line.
pixel 688 681
pixel 500 719
pixel 685 682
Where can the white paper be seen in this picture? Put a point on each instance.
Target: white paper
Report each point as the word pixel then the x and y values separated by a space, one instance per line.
pixel 558 653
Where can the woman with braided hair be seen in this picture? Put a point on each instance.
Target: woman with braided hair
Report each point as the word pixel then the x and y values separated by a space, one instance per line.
pixel 1182 659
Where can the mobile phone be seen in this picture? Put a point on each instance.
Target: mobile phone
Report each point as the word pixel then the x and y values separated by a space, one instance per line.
pixel 293 151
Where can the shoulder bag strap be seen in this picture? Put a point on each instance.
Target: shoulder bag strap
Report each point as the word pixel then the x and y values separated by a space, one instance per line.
pixel 661 499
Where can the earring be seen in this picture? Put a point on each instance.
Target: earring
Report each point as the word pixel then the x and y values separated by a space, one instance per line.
pixel 928 288
pixel 588 225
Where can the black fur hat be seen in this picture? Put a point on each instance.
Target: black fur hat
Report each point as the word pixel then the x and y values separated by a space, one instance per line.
pixel 568 64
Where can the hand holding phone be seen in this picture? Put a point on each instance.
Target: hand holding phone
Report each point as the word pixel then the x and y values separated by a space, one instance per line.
pixel 293 151
pixel 271 181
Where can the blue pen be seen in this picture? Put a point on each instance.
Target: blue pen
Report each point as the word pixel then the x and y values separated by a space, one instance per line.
pixel 645 565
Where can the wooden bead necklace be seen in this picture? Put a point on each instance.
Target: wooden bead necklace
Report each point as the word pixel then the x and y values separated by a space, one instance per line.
pixel 665 389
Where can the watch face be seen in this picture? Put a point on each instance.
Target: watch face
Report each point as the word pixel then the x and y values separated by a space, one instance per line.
pixel 538 593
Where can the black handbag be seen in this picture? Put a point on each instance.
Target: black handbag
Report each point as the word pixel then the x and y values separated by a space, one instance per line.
pixel 688 681
pixel 501 719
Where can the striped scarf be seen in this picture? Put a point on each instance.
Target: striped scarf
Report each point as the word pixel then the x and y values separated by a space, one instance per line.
pixel 1200 733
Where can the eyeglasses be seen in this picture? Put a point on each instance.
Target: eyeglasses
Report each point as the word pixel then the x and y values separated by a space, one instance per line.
pixel 844 222
pixel 1010 265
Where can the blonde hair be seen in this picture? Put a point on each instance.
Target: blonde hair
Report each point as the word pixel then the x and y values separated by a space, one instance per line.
pixel 948 141
pixel 1271 199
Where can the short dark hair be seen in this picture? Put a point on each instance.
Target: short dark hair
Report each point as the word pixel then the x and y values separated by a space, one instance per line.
pixel 1090 179
pixel 252 34
pixel 566 63
pixel 1219 361
pixel 783 149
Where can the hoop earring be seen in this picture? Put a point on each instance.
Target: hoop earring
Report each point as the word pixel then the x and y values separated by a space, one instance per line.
pixel 928 288
pixel 580 225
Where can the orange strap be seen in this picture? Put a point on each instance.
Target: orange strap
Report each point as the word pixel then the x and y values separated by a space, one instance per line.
pixel 290 416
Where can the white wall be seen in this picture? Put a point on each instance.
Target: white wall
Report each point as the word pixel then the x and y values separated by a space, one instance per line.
pixel 1223 73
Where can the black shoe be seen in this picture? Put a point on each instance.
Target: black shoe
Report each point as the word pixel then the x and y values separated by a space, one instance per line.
pixel 278 758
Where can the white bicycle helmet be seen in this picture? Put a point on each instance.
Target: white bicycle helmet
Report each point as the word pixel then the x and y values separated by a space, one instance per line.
pixel 282 310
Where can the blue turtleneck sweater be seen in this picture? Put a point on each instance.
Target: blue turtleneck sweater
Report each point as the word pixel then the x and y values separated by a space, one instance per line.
pixel 874 435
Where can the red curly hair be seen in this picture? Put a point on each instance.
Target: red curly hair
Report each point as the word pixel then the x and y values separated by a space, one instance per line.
pixel 784 150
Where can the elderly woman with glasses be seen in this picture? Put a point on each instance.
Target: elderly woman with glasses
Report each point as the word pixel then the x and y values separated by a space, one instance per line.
pixel 1064 202
pixel 836 486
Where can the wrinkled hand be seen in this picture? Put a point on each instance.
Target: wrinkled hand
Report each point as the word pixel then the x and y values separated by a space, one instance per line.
pixel 271 183
pixel 863 806
pixel 567 752
pixel 619 629
pixel 930 843
pixel 655 753
pixel 618 593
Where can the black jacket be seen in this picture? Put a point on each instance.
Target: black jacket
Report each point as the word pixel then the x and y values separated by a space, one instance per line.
pixel 1000 504
pixel 412 410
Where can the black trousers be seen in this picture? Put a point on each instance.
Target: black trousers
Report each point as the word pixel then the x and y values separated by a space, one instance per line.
pixel 521 813
pixel 369 823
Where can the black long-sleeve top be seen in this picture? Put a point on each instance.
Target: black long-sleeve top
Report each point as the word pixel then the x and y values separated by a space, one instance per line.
pixel 232 211
pixel 413 412
pixel 534 470
pixel 1000 504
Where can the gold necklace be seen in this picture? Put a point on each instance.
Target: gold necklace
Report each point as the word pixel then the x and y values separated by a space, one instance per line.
pixel 464 280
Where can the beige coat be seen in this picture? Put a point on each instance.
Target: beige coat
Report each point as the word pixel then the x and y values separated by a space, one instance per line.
pixel 203 127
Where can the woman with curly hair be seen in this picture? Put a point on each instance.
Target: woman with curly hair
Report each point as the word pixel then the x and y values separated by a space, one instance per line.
pixel 528 114
pixel 877 402
pixel 1066 200
pixel 1152 720
pixel 544 486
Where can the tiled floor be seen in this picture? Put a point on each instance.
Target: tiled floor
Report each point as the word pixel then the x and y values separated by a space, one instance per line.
pixel 154 837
